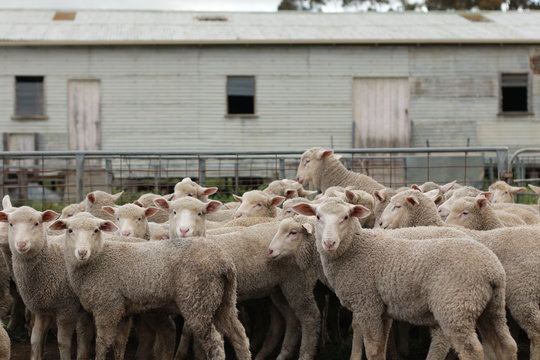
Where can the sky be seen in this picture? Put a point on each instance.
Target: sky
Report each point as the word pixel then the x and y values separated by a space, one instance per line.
pixel 187 5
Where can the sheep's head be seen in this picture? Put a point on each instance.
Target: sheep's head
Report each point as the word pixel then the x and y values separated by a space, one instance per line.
pixel 288 188
pixel 444 208
pixel 26 234
pixel 287 210
pixel 71 210
pixel 131 219
pixel 469 211
pixel 291 233
pixel 257 203
pixel 334 220
pixel 187 216
pixel 310 165
pixel 4 226
pixel 502 192
pixel 83 235
pixel 96 200
pixel 189 188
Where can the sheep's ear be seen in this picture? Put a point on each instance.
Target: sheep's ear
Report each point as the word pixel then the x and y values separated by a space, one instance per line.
pixel 91 197
pixel 378 196
pixel 138 203
pixel 6 202
pixel 536 189
pixel 277 200
pixel 168 196
pixel 481 202
pixel 117 196
pixel 359 211
pixel 416 187
pixel 291 193
pixel 308 227
pixel 213 206
pixel 150 211
pixel 351 197
pixel 447 187
pixel 325 154
pixel 209 191
pixel 304 209
pixel 108 226
pixel 488 195
pixel 337 157
pixel 162 204
pixel 49 215
pixel 412 200
pixel 516 189
pixel 109 209
pixel 237 198
pixel 435 196
pixel 3 217
pixel 307 193
pixel 58 225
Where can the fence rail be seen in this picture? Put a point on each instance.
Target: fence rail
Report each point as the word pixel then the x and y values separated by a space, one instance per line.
pixel 66 176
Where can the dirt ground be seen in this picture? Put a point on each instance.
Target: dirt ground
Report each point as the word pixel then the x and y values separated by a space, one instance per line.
pixel 21 351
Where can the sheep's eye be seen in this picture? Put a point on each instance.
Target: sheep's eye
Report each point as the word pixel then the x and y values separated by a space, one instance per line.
pixel 465 212
pixel 36 224
pixel 174 212
pixel 117 219
pixel 318 217
pixel 288 211
pixel 96 231
pixel 10 224
pixel 69 215
pixel 307 161
pixel 70 231
pixel 200 214
pixel 190 195
pixel 346 217
pixel 292 232
pixel 259 204
pixel 139 219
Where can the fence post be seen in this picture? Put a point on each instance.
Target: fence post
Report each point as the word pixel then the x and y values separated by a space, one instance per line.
pixel 109 175
pixel 202 171
pixel 282 168
pixel 504 172
pixel 79 176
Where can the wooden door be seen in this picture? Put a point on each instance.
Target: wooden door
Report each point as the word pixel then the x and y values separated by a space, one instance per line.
pixel 381 112
pixel 84 115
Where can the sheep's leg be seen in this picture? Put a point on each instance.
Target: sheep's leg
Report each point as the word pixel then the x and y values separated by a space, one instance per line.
pixel 207 336
pixel 145 337
pixel 465 341
pixel 39 335
pixel 273 336
pixel 439 346
pixel 292 326
pixel 165 330
pixel 106 328
pixel 402 332
pixel 527 315
pixel 65 329
pixel 17 319
pixel 496 337
pixel 121 338
pixel 85 334
pixel 299 295
pixel 357 347
pixel 185 340
pixel 375 336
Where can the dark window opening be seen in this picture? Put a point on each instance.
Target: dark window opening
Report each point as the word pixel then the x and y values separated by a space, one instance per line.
pixel 514 93
pixel 241 95
pixel 29 96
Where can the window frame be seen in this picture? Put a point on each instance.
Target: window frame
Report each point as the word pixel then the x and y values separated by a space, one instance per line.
pixel 231 115
pixel 43 116
pixel 529 110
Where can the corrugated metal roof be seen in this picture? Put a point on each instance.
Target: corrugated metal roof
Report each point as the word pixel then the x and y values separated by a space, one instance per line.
pixel 37 27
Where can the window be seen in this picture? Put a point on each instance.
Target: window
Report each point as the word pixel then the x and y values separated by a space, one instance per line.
pixel 515 93
pixel 240 95
pixel 29 96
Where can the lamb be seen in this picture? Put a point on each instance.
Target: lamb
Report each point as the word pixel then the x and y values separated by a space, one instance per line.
pixel 429 186
pixel 536 189
pixel 287 210
pixel 257 203
pixel 373 275
pixel 188 187
pixel 109 275
pixel 382 198
pixel 502 192
pixel 95 200
pixel 322 169
pixel 355 197
pixel 5 344
pixel 41 278
pixel 158 231
pixel 288 189
pixel 147 200
pixel 131 219
pixel 444 208
pixel 517 248
pixel 257 277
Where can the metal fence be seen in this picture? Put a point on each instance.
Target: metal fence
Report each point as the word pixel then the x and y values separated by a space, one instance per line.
pixel 41 177
pixel 525 166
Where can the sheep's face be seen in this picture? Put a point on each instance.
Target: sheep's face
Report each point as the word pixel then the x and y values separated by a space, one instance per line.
pixel 310 164
pixel 189 188
pixel 288 237
pixel 334 220
pixel 397 213
pixel 382 199
pixel 71 210
pixel 288 211
pixel 468 211
pixel 503 193
pixel 26 234
pixel 83 236
pixel 131 219
pixel 158 231
pixel 257 203
pixel 444 208
pixel 187 216
pixel 96 200
pixel 4 226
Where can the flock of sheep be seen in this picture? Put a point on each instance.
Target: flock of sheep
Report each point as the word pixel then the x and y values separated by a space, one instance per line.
pixel 449 257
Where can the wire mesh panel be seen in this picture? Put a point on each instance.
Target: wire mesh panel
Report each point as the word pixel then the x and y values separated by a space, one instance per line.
pixel 44 178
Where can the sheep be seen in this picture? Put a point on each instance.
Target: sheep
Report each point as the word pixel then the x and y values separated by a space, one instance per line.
pixel 322 169
pixel 429 185
pixel 435 282
pixel 248 221
pixel 287 210
pixel 536 189
pixel 41 278
pixel 131 219
pixel 95 200
pixel 147 200
pixel 382 198
pixel 5 344
pixel 517 248
pixel 356 197
pixel 444 208
pixel 158 231
pixel 257 203
pixel 114 280
pixel 288 189
pixel 188 187
pixel 257 277
pixel 502 192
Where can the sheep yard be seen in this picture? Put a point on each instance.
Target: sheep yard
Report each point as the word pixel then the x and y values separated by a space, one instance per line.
pixel 152 252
